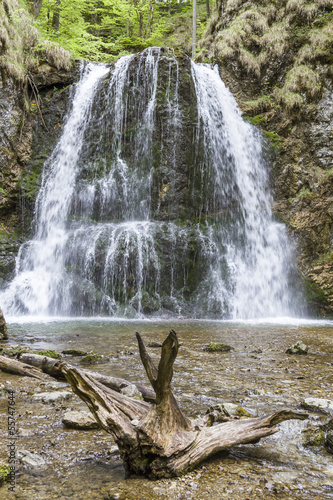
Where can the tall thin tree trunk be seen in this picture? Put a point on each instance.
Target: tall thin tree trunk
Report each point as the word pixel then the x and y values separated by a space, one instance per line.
pixel 207 9
pixel 151 17
pixel 56 16
pixel 194 33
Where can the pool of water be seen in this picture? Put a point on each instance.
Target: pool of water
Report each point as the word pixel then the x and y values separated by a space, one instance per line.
pixel 257 374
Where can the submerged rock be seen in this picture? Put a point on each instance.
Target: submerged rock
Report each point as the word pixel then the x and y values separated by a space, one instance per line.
pixel 317 404
pixel 217 347
pixel 75 352
pixel 29 458
pixel 298 348
pixel 52 397
pixel 79 420
pixel 91 358
pixel 154 344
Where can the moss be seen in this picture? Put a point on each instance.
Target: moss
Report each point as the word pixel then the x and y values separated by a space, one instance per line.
pixel 74 352
pixel 49 354
pixel 314 294
pixel 217 347
pixel 91 358
pixel 5 470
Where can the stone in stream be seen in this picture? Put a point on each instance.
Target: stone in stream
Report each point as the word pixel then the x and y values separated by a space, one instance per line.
pixel 318 404
pixel 52 397
pixel 298 348
pixel 82 420
pixel 329 442
pixel 28 458
pixel 217 347
pixel 131 391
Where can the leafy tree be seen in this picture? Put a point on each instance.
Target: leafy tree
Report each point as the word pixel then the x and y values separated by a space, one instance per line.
pixel 101 30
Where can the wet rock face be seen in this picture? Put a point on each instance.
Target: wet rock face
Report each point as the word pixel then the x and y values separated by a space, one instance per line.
pixel 3 327
pixel 28 130
pixel 302 159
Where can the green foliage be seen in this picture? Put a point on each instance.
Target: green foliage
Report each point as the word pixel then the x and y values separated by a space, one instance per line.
pixel 102 30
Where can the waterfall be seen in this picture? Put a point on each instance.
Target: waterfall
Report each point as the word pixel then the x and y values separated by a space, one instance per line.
pixel 155 201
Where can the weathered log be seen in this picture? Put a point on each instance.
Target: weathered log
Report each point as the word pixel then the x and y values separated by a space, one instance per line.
pixel 17 368
pixel 158 440
pixel 52 367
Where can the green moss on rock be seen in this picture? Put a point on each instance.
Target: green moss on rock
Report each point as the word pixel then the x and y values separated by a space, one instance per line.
pixel 217 347
pixel 4 473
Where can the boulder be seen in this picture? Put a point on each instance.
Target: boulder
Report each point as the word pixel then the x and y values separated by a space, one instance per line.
pixel 298 348
pixel 82 420
pixel 28 458
pixel 53 397
pixel 318 404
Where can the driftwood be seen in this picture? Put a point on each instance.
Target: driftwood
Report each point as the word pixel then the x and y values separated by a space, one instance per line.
pixel 53 367
pixel 17 368
pixel 158 440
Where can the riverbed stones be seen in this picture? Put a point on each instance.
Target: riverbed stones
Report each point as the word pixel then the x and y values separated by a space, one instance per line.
pixel 298 348
pixel 82 420
pixel 52 397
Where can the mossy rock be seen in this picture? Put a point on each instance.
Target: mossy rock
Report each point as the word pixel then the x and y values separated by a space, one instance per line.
pixel 314 437
pixel 75 352
pixel 4 473
pixel 298 348
pixel 329 442
pixel 91 358
pixel 49 354
pixel 217 347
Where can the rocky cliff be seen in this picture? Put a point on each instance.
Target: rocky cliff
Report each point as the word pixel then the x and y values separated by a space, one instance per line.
pixel 276 57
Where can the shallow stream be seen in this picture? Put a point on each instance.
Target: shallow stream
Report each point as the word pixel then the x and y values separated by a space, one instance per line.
pixel 257 374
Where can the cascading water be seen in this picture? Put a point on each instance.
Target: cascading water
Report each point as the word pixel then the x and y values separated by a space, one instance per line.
pixel 154 201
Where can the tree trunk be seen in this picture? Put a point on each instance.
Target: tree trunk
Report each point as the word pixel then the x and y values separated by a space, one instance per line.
pixel 56 16
pixel 194 31
pixel 159 440
pixel 17 368
pixel 207 9
pixel 151 17
pixel 52 367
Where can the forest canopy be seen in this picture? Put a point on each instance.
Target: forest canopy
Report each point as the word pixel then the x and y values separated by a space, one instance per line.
pixel 101 30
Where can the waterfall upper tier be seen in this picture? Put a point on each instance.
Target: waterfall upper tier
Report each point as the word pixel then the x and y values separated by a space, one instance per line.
pixel 154 201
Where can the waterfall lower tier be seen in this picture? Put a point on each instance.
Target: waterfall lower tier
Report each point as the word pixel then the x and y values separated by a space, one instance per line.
pixel 154 201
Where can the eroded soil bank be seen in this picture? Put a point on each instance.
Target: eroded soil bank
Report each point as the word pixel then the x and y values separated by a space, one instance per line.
pixel 257 374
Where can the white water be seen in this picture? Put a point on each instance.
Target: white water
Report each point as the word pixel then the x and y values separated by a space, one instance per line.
pixel 258 252
pixel 109 259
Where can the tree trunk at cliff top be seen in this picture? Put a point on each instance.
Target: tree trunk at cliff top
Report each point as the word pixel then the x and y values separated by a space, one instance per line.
pixel 158 440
